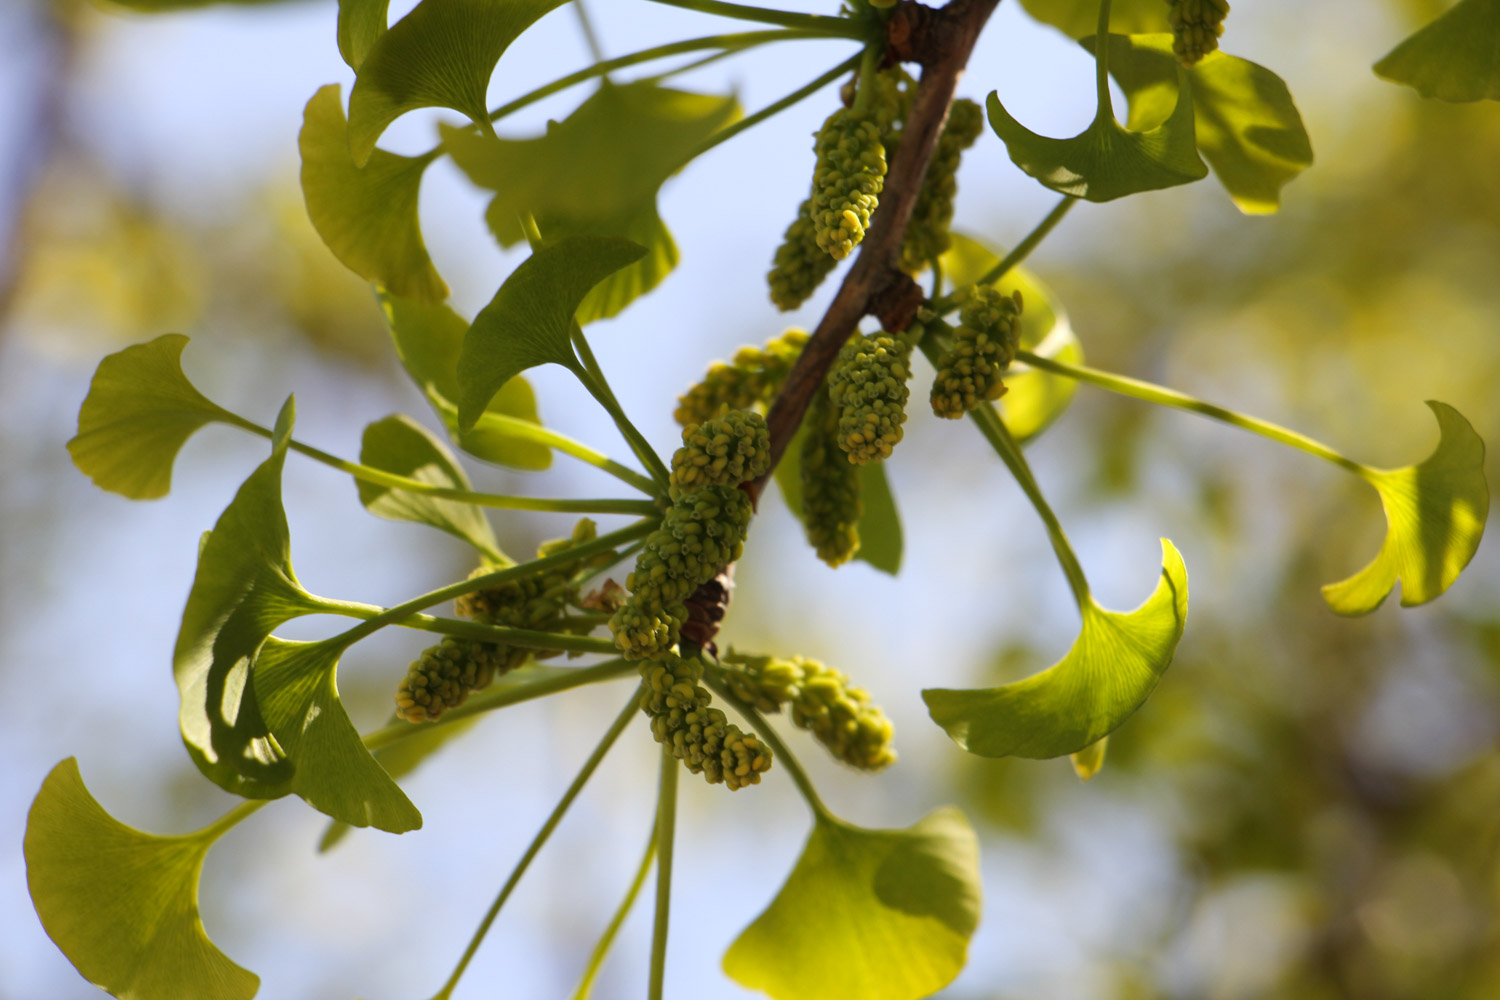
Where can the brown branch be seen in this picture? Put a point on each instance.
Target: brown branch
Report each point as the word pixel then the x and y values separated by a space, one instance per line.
pixel 941 40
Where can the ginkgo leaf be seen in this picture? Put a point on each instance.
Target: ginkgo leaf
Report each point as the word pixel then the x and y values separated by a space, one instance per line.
pixel 874 914
pixel 1077 18
pixel 530 320
pixel 361 23
pixel 121 904
pixel 139 412
pixel 1109 673
pixel 400 445
pixel 881 541
pixel 367 215
pixel 597 173
pixel 296 685
pixel 1435 514
pixel 1107 161
pixel 428 340
pixel 1088 761
pixel 244 587
pixel 1033 399
pixel 1455 58
pixel 1247 125
pixel 441 55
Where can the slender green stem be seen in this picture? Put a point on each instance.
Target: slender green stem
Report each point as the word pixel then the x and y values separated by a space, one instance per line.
pixel 780 751
pixel 864 93
pixel 504 693
pixel 1101 64
pixel 1030 243
pixel 936 264
pixel 586 772
pixel 687 67
pixel 229 820
pixel 401 612
pixel 600 390
pixel 601 950
pixel 666 836
pixel 522 637
pixel 536 433
pixel 994 430
pixel 831 25
pixel 586 25
pixel 725 134
pixel 1182 401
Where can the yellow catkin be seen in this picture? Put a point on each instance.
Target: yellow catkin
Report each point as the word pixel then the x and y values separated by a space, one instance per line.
pixel 983 347
pixel 831 506
pixel 1196 27
pixel 683 721
pixel 751 380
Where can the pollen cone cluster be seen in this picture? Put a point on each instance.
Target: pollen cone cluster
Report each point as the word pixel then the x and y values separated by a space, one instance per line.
pixel 1196 27
pixel 983 347
pixel 749 381
pixel 831 507
pixel 697 734
pixel 927 235
pixel 868 386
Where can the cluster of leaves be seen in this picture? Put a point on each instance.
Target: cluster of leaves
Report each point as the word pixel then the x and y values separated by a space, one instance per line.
pixel 261 716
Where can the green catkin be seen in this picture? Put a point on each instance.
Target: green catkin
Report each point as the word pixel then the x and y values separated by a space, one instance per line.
pixel 1196 27
pixel 700 736
pixel 750 380
pixel 831 507
pixel 868 386
pixel 447 673
pixel 800 265
pixel 983 346
pixel 847 180
pixel 721 451
pixel 820 700
pixel 927 235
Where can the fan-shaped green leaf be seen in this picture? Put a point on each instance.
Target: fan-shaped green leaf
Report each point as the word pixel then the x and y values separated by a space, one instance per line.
pixel 597 173
pixel 1033 399
pixel 296 684
pixel 400 445
pixel 881 542
pixel 1107 161
pixel 367 215
pixel 530 320
pixel 361 23
pixel 122 905
pixel 139 412
pixel 1109 673
pixel 1248 126
pixel 1455 58
pixel 874 914
pixel 1077 18
pixel 428 340
pixel 1435 514
pixel 441 55
pixel 244 588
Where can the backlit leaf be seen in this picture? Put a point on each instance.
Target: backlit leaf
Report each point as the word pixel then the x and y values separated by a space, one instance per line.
pixel 1106 161
pixel 441 55
pixel 243 589
pixel 1033 399
pixel 530 320
pixel 874 914
pixel 611 296
pixel 366 214
pixel 1248 127
pixel 1435 514
pixel 122 905
pixel 1109 673
pixel 296 684
pixel 1455 58
pixel 361 23
pixel 1077 18
pixel 880 538
pixel 400 445
pixel 428 340
pixel 139 412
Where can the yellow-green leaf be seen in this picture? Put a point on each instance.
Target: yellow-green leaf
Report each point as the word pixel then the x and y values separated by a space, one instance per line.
pixel 611 296
pixel 361 23
pixel 122 905
pixel 367 214
pixel 1088 761
pixel 530 320
pixel 873 914
pixel 1435 514
pixel 1033 399
pixel 1107 161
pixel 441 55
pixel 1455 58
pixel 1247 125
pixel 1076 18
pixel 139 412
pixel 244 587
pixel 400 445
pixel 428 340
pixel 296 684
pixel 1111 670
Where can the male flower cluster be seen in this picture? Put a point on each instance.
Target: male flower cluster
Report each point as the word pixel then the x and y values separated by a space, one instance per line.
pixel 751 380
pixel 983 346
pixel 868 386
pixel 831 506
pixel 847 180
pixel 701 737
pixel 927 235
pixel 1196 27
